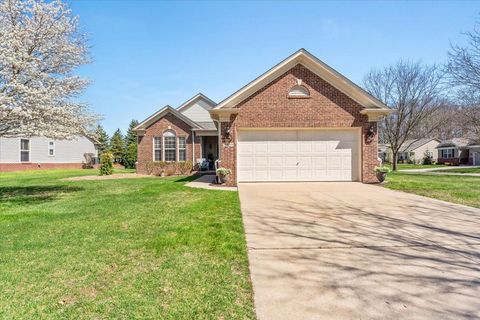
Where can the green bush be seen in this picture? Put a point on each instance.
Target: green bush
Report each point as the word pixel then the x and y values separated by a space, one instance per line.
pixel 106 164
pixel 383 169
pixel 427 158
pixel 224 171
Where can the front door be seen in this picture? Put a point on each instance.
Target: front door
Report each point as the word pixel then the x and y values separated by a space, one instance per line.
pixel 210 150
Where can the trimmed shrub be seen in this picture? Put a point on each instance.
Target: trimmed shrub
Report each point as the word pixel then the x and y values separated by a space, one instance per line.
pixel 185 167
pixel 106 164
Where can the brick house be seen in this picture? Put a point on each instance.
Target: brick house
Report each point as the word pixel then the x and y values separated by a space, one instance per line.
pixel 299 121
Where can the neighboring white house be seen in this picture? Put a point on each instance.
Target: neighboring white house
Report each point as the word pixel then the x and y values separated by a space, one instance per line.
pixel 44 153
pixel 415 150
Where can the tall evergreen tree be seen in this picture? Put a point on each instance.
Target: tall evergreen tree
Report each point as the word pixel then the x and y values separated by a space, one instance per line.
pixel 130 157
pixel 131 137
pixel 117 146
pixel 103 140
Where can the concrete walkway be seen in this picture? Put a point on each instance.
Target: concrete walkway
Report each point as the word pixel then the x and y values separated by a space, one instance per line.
pixel 206 182
pixel 355 251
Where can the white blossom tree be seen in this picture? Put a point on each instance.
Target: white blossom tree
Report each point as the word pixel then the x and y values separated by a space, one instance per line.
pixel 40 47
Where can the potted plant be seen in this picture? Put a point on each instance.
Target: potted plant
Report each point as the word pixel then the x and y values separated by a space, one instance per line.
pixel 381 172
pixel 222 174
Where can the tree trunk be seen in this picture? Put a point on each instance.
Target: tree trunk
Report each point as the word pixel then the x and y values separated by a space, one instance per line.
pixel 394 161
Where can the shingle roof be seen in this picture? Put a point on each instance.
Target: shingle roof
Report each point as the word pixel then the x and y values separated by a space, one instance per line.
pixel 455 142
pixel 207 125
pixel 412 144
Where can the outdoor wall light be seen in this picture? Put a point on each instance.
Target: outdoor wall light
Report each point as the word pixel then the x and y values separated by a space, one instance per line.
pixel 227 134
pixel 370 133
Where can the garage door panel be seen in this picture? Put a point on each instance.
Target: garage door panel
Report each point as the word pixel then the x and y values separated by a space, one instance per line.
pixel 275 161
pixel 290 147
pixel 276 174
pixel 260 147
pixel 290 161
pixel 290 174
pixel 246 149
pixel 261 161
pixel 298 155
pixel 275 147
pixel 304 161
pixel 261 174
pixel 320 162
pixel 305 146
pixel 319 147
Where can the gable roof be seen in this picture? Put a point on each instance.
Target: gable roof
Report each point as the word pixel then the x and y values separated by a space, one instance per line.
pixel 315 65
pixel 412 144
pixel 455 143
pixel 198 96
pixel 161 113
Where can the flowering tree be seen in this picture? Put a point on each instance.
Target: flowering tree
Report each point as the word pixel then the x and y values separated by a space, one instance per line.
pixel 40 47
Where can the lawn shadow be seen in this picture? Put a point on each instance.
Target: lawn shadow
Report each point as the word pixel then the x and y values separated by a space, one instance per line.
pixel 34 194
pixel 188 178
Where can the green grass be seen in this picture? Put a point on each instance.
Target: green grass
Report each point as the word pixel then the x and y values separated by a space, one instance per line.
pixel 146 248
pixel 456 189
pixel 461 170
pixel 406 166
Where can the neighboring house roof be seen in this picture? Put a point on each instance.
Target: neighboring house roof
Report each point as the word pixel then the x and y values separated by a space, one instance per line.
pixel 161 113
pixel 454 143
pixel 315 65
pixel 383 147
pixel 413 144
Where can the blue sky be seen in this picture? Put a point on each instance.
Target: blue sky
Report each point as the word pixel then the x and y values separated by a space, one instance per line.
pixel 147 54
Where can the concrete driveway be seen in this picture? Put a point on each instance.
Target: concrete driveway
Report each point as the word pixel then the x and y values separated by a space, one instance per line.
pixel 355 251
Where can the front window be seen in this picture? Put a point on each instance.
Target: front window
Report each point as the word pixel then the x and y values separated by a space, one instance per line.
pixel 182 149
pixel 157 149
pixel 51 148
pixel 170 145
pixel 447 153
pixel 24 150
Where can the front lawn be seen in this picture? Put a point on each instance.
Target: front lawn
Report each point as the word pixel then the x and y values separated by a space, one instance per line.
pixel 146 248
pixel 457 189
pixel 461 170
pixel 406 166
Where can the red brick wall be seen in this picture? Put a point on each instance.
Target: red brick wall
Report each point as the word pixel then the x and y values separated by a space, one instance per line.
pixel 326 107
pixel 9 167
pixel 169 121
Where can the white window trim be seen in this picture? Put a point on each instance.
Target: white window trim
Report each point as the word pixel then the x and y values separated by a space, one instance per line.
pixel 161 149
pixel 29 151
pixel 169 133
pixel 178 148
pixel 446 149
pixel 302 91
pixel 175 149
pixel 48 149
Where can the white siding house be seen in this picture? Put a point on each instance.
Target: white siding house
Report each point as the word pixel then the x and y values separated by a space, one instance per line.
pixel 40 152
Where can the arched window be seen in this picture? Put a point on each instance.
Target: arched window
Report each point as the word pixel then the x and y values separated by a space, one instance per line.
pixel 170 145
pixel 298 91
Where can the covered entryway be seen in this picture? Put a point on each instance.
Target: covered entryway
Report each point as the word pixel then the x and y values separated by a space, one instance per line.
pixel 298 155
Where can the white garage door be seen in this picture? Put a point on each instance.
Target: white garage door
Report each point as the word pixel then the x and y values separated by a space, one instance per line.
pixel 298 155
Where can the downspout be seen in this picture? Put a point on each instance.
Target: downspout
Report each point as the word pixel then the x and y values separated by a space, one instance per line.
pixel 193 148
pixel 219 133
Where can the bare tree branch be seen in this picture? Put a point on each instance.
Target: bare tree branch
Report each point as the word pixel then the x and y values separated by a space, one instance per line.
pixel 413 91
